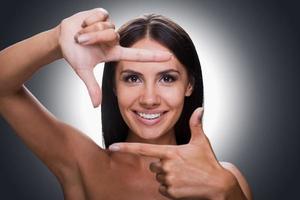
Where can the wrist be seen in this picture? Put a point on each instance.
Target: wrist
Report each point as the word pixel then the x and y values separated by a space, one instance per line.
pixel 53 42
pixel 229 188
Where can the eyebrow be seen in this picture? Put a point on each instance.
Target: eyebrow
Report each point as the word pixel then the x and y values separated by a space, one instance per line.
pixel 140 74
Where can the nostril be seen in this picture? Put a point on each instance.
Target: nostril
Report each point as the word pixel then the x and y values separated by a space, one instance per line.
pixel 150 100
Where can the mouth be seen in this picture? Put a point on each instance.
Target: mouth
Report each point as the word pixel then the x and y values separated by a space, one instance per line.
pixel 149 119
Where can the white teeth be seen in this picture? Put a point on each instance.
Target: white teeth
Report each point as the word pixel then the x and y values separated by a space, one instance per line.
pixel 149 116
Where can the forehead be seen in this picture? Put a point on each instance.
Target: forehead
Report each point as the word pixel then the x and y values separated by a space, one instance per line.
pixel 145 67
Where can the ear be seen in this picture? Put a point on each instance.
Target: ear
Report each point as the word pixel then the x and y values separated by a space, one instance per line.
pixel 189 89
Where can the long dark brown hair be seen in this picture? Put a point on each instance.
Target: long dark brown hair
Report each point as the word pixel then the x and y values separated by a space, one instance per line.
pixel 172 36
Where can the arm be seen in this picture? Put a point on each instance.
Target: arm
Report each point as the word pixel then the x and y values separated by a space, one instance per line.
pixel 21 60
pixel 57 144
pixel 52 141
pixel 38 128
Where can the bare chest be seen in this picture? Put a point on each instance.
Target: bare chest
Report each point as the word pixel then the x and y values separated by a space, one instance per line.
pixel 115 183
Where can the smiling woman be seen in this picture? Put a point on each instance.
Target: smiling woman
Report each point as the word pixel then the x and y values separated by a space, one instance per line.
pixel 154 32
pixel 152 88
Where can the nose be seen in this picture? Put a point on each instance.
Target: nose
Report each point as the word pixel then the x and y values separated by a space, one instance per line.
pixel 150 97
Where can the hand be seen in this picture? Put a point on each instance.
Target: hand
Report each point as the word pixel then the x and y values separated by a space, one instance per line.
pixel 88 38
pixel 184 171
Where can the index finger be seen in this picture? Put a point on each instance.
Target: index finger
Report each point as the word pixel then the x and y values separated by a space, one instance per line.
pixel 139 55
pixel 151 150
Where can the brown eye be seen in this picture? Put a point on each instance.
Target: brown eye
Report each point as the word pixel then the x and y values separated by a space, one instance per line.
pixel 132 79
pixel 167 78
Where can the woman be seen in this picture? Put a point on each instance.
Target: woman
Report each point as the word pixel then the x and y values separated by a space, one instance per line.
pixel 151 86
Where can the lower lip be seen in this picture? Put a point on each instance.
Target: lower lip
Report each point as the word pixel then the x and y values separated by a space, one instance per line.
pixel 149 122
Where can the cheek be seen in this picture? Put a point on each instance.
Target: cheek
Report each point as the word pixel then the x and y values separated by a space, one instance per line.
pixel 173 96
pixel 126 96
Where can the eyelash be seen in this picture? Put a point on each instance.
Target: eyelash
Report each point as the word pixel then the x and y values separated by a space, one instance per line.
pixel 129 78
pixel 166 78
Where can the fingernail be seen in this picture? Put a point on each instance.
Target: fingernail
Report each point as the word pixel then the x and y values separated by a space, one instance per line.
pixel 83 38
pixel 83 24
pixel 114 147
pixel 76 37
pixel 200 114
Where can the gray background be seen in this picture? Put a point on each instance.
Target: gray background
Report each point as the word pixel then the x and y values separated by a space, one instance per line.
pixel 252 50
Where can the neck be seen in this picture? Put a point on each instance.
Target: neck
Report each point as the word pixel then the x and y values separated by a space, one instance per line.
pixel 144 161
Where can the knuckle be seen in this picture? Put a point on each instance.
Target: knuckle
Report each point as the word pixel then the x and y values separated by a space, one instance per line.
pixel 170 153
pixel 113 35
pixel 170 180
pixel 172 192
pixel 99 26
pixel 101 13
pixel 84 23
pixel 166 167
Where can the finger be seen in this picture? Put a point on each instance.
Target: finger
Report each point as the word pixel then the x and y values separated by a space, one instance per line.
pixel 105 36
pixel 161 178
pixel 196 125
pixel 139 55
pixel 198 136
pixel 87 76
pixel 98 26
pixel 163 189
pixel 151 150
pixel 99 14
pixel 156 167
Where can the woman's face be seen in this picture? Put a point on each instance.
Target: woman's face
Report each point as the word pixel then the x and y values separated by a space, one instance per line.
pixel 151 94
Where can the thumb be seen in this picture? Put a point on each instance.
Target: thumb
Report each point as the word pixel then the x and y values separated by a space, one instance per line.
pixel 196 124
pixel 88 77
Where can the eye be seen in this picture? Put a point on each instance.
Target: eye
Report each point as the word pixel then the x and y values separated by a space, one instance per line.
pixel 167 78
pixel 132 78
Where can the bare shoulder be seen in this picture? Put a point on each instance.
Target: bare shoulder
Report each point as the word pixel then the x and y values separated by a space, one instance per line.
pixel 84 153
pixel 59 145
pixel 240 177
pixel 83 148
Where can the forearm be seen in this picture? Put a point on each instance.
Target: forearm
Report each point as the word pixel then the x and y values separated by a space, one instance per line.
pixel 21 60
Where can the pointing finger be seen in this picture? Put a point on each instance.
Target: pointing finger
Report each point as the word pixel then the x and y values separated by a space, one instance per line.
pixel 151 150
pixel 87 76
pixel 139 55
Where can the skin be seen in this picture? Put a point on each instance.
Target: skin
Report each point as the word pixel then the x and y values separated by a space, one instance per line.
pixel 86 171
pixel 151 88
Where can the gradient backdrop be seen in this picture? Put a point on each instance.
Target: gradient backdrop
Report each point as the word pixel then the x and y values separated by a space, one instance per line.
pixel 250 60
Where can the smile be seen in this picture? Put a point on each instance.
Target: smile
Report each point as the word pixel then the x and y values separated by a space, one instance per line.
pixel 149 119
pixel 149 116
